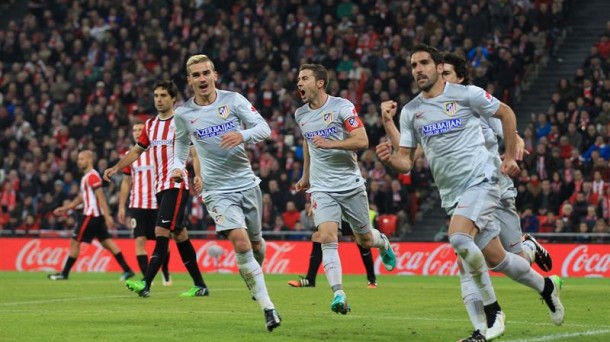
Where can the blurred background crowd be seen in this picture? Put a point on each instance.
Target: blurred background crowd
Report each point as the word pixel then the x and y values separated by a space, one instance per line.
pixel 75 74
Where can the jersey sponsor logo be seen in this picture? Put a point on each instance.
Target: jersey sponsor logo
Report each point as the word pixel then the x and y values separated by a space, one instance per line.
pixel 441 127
pixel 451 108
pixel 224 111
pixel 214 131
pixel 327 117
pixel 162 142
pixel 324 133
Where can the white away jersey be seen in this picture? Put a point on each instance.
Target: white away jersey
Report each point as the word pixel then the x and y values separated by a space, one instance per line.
pixel 448 128
pixel 492 128
pixel 330 169
pixel 222 170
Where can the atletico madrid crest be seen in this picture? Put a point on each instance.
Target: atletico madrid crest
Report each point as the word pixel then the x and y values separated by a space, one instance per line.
pixel 451 108
pixel 328 117
pixel 224 111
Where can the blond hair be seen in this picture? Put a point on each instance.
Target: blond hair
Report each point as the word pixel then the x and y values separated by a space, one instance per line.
pixel 196 59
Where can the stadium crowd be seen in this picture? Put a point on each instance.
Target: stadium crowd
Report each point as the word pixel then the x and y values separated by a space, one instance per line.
pixel 74 75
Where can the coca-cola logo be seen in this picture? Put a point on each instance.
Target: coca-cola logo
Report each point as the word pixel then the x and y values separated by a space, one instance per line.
pixel 277 259
pixel 580 262
pixel 33 256
pixel 440 261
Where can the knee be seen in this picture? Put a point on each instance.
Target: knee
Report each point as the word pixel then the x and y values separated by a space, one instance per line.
pixel 364 240
pixel 460 243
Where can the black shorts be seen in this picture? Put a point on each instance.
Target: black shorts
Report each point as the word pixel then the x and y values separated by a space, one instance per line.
pixel 90 227
pixel 143 222
pixel 172 204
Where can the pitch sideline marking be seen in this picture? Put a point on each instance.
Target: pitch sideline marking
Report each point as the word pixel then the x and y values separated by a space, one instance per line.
pixel 561 336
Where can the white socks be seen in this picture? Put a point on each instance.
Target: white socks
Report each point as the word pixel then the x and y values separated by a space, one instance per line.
pixel 332 265
pixel 252 273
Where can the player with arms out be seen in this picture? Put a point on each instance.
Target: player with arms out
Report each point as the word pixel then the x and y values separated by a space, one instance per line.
pixel 333 132
pixel 158 135
pixel 212 120
pixel 95 220
pixel 138 178
pixel 443 120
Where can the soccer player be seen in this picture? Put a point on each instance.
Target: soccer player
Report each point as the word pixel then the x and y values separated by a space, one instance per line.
pixel 95 220
pixel 158 136
pixel 333 132
pixel 443 120
pixel 455 70
pixel 139 179
pixel 213 121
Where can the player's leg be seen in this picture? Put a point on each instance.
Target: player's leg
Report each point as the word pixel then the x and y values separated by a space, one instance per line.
pixel 189 259
pixel 252 205
pixel 474 217
pixel 327 217
pixel 72 256
pixel 167 279
pixel 315 260
pixel 519 270
pixel 367 260
pixel 79 235
pixel 143 229
pixel 355 210
pixel 473 301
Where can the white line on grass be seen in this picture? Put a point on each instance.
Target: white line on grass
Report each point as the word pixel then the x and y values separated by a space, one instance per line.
pixel 561 336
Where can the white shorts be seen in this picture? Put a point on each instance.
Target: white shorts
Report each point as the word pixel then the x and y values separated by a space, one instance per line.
pixel 351 206
pixel 479 204
pixel 237 210
pixel 510 226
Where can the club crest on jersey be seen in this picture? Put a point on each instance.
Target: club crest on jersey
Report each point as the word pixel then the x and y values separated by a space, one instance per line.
pixel 451 108
pixel 327 117
pixel 224 111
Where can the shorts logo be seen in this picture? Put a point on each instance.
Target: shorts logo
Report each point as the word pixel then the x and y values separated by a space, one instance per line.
pixel 451 108
pixel 218 218
pixel 224 111
pixel 327 117
pixel 133 223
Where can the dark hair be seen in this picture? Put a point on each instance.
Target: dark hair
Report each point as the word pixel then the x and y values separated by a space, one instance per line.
pixel 319 72
pixel 434 53
pixel 170 86
pixel 459 65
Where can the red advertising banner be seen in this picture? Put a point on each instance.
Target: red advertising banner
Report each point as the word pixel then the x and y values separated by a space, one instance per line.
pixel 284 257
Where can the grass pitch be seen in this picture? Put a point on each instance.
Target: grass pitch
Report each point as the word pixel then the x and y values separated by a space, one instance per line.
pixel 93 306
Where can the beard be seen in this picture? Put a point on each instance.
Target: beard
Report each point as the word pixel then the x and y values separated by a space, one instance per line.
pixel 429 84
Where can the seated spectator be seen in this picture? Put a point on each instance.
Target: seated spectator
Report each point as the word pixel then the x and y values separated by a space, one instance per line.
pixel 307 218
pixel 291 215
pixel 548 226
pixel 601 228
pixel 583 229
pixel 529 221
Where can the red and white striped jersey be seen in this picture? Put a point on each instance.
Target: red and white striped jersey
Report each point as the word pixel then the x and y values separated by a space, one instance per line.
pixel 142 172
pixel 158 136
pixel 90 182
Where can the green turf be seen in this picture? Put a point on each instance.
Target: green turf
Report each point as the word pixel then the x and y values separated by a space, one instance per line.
pixel 98 307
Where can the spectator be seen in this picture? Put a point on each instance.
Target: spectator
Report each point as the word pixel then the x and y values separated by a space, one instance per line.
pixel 529 221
